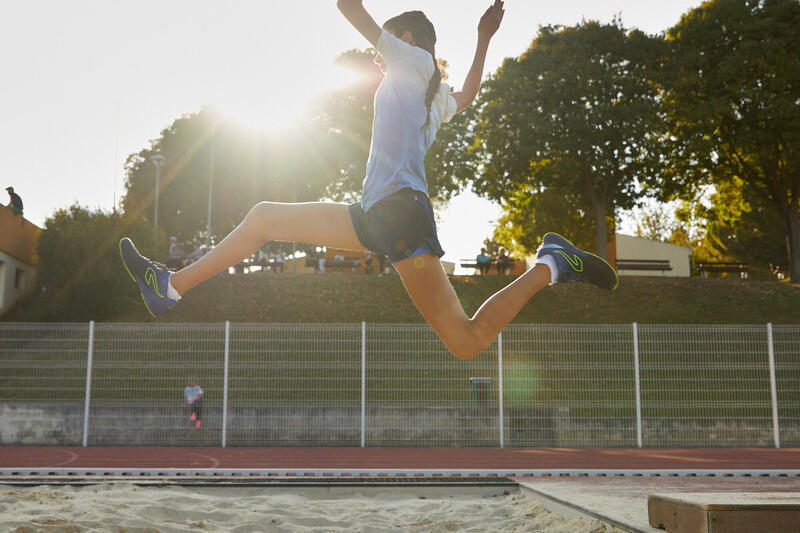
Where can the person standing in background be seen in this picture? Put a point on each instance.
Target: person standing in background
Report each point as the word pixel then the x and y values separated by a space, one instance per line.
pixel 194 398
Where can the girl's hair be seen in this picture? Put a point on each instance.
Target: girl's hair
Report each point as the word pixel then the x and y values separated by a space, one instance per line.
pixel 425 37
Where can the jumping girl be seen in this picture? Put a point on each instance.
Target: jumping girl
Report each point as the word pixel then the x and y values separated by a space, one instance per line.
pixel 394 216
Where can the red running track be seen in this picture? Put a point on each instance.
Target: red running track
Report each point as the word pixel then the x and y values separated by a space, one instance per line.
pixel 403 458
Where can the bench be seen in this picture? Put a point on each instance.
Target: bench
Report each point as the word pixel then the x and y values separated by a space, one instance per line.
pixel 241 267
pixel 661 265
pixel 471 263
pixel 269 264
pixel 743 269
pixel 349 262
pixel 779 271
pixel 331 265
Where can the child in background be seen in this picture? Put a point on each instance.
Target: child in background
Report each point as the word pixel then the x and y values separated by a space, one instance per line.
pixel 194 398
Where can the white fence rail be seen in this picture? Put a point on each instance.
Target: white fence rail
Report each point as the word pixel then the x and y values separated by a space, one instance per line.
pixel 396 385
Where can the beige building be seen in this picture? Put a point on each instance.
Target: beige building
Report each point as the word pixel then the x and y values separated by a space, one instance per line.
pixel 17 256
pixel 653 258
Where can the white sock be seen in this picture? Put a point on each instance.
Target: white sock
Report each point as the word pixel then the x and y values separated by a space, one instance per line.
pixel 172 294
pixel 550 261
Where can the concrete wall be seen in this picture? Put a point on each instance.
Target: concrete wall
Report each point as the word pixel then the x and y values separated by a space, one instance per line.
pixel 41 423
pixel 637 248
pixel 115 425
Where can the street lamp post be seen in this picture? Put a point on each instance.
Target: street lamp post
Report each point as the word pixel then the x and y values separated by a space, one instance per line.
pixel 158 161
pixel 210 181
pixel 294 243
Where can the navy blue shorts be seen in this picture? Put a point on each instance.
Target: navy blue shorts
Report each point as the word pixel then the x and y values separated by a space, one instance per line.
pixel 401 226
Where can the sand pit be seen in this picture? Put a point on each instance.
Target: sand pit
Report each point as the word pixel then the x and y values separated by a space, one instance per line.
pixel 130 508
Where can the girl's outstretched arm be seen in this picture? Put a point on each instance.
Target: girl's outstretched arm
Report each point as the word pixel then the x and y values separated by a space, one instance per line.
pixel 354 12
pixel 490 22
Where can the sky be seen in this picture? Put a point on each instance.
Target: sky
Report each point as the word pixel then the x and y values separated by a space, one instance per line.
pixel 88 82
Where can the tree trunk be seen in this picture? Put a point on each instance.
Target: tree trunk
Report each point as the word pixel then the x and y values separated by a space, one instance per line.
pixel 793 227
pixel 601 232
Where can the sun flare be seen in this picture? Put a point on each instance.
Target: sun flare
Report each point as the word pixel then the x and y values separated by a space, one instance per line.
pixel 280 99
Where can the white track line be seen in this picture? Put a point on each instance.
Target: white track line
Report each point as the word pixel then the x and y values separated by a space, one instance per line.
pixel 214 461
pixel 386 472
pixel 68 461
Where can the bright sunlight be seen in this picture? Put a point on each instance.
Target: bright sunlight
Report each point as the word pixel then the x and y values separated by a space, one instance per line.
pixel 280 98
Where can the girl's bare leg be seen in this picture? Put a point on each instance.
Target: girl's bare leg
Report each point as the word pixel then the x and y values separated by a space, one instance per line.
pixel 434 296
pixel 322 223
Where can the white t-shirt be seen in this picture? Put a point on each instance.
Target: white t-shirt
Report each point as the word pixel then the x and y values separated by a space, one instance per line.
pixel 399 143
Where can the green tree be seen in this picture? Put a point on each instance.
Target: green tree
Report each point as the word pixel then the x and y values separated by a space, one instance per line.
pixel 79 265
pixel 575 117
pixel 740 227
pixel 655 222
pixel 732 94
pixel 529 214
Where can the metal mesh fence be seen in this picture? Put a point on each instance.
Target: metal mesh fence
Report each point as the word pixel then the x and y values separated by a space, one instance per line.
pixel 294 385
pixel 569 385
pixel 396 385
pixel 42 382
pixel 139 375
pixel 705 385
pixel 786 342
pixel 417 394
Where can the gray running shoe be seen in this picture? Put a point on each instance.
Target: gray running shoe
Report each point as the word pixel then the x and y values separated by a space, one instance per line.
pixel 577 266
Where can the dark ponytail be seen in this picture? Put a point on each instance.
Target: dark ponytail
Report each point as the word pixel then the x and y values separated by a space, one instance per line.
pixel 433 88
pixel 425 37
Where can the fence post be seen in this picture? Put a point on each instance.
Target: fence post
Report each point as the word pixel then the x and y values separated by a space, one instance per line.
pixel 88 384
pixel 773 387
pixel 638 386
pixel 500 383
pixel 363 382
pixel 225 385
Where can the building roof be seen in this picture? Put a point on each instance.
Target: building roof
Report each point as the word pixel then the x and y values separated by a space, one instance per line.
pixel 18 236
pixel 650 242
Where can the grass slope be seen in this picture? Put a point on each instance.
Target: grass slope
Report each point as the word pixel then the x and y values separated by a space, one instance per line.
pixel 348 298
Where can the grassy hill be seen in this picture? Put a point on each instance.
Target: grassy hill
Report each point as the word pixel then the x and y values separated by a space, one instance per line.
pixel 349 298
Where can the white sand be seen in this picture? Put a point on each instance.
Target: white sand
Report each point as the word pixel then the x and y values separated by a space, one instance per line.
pixel 126 507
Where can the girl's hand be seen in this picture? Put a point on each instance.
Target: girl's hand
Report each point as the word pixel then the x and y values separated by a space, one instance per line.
pixel 490 21
pixel 354 12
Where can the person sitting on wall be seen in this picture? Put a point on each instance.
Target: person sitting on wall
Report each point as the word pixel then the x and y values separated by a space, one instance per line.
pixel 368 257
pixel 338 262
pixel 483 262
pixel 503 261
pixel 16 202
pixel 177 257
pixel 280 261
